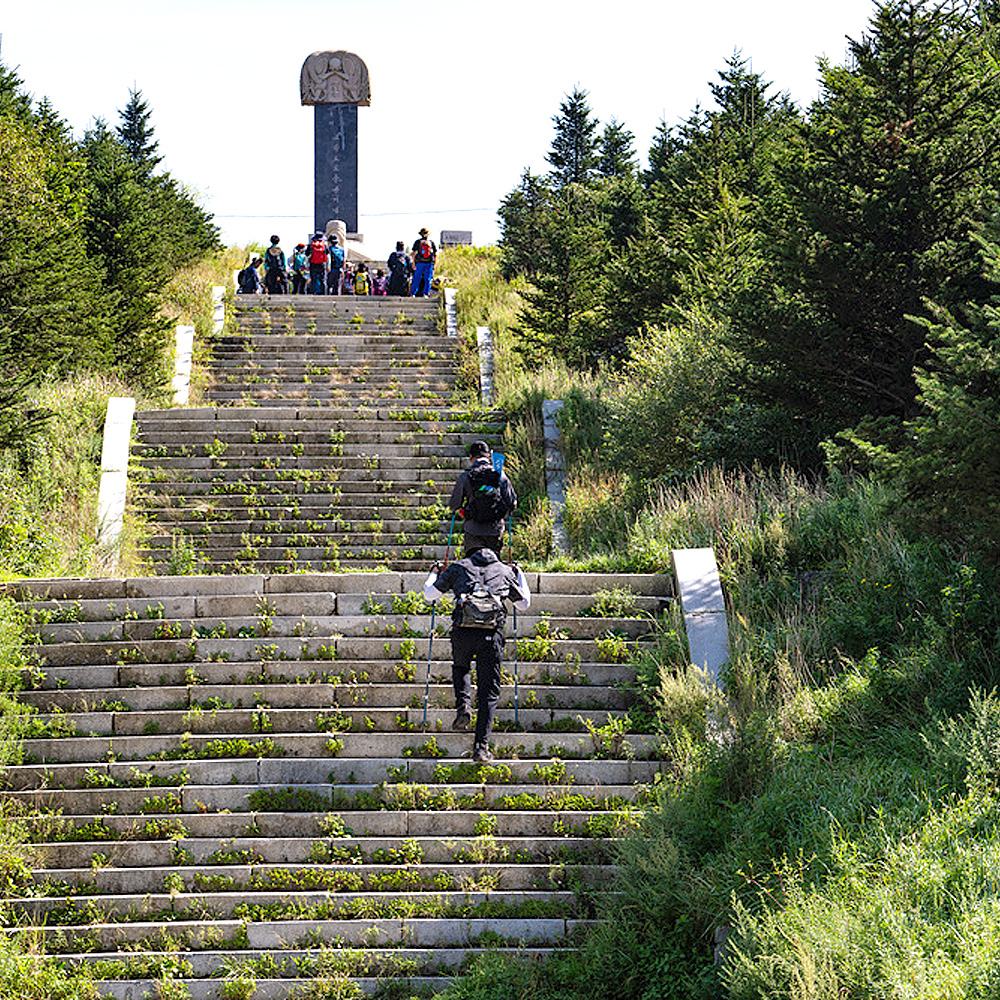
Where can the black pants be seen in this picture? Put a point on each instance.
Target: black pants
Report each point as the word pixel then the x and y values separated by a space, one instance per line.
pixel 275 282
pixel 486 648
pixel 472 542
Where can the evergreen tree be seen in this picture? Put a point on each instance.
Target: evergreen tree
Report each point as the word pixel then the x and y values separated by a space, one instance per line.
pixel 712 186
pixel 122 233
pixel 617 152
pixel 574 151
pixel 14 103
pixel 522 215
pixel 662 150
pixel 136 134
pixel 898 163
pixel 946 463
pixel 52 314
pixel 561 313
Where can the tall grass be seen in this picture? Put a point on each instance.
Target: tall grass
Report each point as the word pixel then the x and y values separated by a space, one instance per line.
pixel 49 486
pixel 187 299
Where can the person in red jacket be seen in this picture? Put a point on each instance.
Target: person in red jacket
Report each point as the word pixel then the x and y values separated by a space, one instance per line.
pixel 318 256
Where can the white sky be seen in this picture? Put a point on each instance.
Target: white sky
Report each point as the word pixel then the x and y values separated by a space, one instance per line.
pixel 463 91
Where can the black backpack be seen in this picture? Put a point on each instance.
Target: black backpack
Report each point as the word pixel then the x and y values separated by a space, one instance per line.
pixel 479 609
pixel 485 502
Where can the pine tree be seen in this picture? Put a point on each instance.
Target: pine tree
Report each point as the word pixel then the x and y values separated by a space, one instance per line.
pixel 712 187
pixel 574 151
pixel 122 233
pixel 522 215
pixel 136 134
pixel 14 103
pixel 898 164
pixel 662 150
pixel 52 312
pixel 561 313
pixel 947 460
pixel 617 152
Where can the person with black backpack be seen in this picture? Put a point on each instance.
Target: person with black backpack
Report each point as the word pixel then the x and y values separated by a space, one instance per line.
pixel 275 272
pixel 485 497
pixel 247 279
pixel 400 271
pixel 481 583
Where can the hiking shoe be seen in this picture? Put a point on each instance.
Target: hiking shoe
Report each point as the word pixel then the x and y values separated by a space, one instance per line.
pixel 462 722
pixel 482 755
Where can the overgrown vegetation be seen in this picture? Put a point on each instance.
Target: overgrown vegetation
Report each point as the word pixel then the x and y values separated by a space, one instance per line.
pixel 730 332
pixel 779 341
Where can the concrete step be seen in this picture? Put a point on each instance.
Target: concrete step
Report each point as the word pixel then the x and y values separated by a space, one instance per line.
pixel 204 851
pixel 393 824
pixel 256 879
pixel 315 695
pixel 159 587
pixel 265 670
pixel 452 746
pixel 378 932
pixel 130 784
pixel 269 623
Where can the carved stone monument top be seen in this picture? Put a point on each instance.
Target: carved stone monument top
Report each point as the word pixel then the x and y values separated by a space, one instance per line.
pixel 335 78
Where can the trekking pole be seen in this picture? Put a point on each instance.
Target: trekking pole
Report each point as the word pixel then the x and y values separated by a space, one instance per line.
pixel 510 538
pixel 517 721
pixel 427 681
pixel 448 546
pixel 430 641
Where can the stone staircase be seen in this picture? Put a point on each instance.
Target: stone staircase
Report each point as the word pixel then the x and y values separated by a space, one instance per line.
pixel 234 775
pixel 234 788
pixel 332 443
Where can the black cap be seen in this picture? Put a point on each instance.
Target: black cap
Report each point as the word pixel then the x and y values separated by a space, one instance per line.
pixel 478 448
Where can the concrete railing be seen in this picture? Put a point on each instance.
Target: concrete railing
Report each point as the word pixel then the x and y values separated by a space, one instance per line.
pixel 555 472
pixel 114 472
pixel 485 341
pixel 700 589
pixel 183 360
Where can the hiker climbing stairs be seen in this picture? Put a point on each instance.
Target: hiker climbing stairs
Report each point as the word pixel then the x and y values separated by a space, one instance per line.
pixel 235 777
pixel 240 777
pixel 330 442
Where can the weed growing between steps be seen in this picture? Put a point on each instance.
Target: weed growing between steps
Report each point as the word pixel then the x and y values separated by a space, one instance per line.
pixel 25 972
pixel 48 487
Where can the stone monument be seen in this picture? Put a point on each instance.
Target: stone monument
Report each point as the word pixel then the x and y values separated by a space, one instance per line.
pixel 336 84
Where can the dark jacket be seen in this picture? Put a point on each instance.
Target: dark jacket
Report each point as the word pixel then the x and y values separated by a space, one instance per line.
pixel 400 271
pixel 482 566
pixel 462 491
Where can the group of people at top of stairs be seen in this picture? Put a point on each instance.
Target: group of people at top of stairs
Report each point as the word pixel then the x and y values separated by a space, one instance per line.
pixel 481 582
pixel 321 268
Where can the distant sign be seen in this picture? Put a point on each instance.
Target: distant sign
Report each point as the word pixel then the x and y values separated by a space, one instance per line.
pixel 456 238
